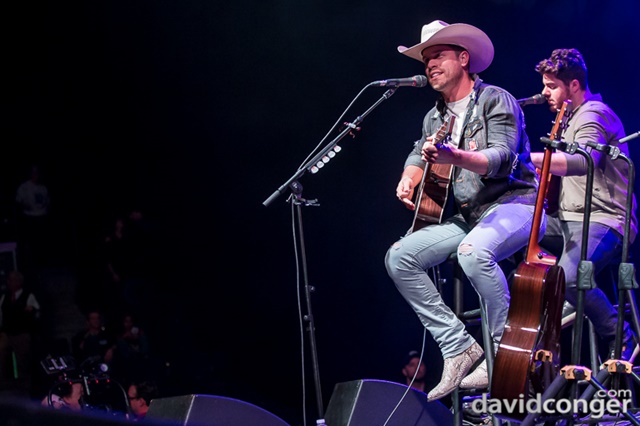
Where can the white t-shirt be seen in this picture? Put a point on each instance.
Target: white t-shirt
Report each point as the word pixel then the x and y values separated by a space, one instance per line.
pixel 457 109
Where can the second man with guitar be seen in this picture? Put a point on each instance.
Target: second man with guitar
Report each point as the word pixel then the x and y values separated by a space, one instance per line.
pixel 477 129
pixel 564 76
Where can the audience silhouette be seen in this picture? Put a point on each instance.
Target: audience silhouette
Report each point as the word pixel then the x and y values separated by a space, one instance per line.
pixel 140 395
pixel 95 344
pixel 19 314
pixel 32 199
pixel 414 371
pixel 132 353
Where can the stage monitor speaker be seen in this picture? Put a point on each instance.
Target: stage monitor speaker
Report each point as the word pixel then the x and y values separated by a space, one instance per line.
pixel 371 402
pixel 207 410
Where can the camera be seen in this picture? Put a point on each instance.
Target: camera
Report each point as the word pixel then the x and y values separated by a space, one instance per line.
pixel 99 391
pixel 58 365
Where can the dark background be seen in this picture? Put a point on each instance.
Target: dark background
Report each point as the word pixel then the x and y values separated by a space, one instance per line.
pixel 197 111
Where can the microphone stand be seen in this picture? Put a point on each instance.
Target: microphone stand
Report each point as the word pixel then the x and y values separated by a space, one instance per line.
pixel 313 165
pixel 626 283
pixel 325 155
pixel 626 271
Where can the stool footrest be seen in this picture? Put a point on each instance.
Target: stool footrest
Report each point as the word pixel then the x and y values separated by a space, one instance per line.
pixel 467 315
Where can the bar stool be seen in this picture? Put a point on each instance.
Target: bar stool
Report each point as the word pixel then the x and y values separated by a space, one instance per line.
pixel 474 317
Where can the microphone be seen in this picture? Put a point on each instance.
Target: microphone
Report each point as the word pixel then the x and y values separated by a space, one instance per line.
pixel 533 100
pixel 415 81
pixel 629 137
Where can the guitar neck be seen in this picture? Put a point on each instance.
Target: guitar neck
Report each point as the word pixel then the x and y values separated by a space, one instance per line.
pixel 534 252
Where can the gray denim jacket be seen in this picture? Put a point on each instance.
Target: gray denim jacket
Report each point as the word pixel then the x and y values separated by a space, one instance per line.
pixel 494 125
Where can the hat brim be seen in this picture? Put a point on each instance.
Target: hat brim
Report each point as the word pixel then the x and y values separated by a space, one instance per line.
pixel 470 38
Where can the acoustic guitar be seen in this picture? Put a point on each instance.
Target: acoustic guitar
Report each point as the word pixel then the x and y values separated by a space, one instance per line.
pixel 433 192
pixel 528 355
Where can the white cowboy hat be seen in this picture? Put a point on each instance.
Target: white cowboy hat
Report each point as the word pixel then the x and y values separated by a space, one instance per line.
pixel 472 39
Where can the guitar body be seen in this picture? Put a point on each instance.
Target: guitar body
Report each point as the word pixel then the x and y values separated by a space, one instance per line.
pixel 528 357
pixel 433 192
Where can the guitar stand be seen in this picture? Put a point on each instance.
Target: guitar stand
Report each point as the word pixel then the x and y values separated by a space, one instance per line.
pixel 573 374
pixel 611 369
pixel 614 368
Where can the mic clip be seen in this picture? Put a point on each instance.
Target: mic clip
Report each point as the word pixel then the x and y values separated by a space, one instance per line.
pixel 610 150
pixel 352 127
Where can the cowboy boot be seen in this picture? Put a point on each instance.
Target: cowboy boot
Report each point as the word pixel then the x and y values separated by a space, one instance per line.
pixel 454 369
pixel 478 379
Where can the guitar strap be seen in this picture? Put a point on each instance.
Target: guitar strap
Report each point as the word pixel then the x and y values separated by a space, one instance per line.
pixel 457 109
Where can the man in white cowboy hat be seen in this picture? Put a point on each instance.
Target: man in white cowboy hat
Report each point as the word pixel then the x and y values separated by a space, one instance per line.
pixel 490 212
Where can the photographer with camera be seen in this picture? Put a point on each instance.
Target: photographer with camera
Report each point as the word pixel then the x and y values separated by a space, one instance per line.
pixel 65 396
pixel 86 386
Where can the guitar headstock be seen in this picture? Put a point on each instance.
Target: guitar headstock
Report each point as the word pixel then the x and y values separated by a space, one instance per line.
pixel 560 123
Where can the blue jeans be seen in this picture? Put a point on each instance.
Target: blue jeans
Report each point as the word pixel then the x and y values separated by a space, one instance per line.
pixel 501 231
pixel 604 247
